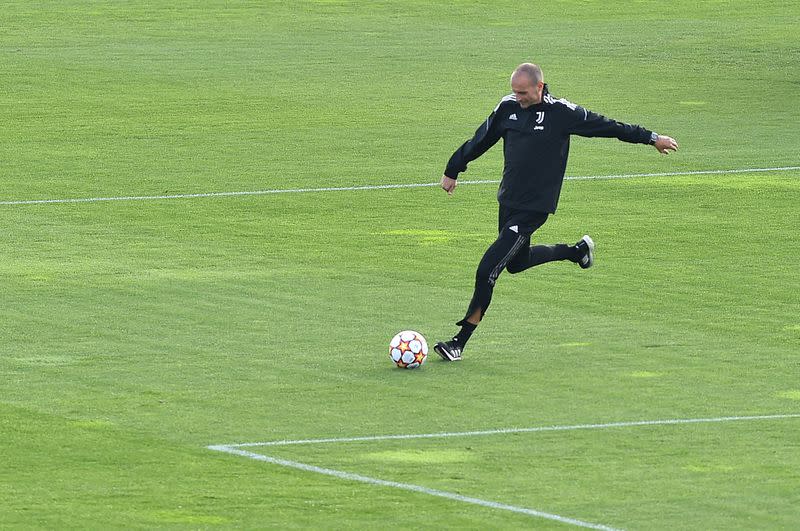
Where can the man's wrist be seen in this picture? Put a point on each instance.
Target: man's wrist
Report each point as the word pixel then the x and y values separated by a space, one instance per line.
pixel 451 173
pixel 653 138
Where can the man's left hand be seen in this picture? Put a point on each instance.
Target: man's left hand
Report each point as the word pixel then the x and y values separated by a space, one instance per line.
pixel 665 144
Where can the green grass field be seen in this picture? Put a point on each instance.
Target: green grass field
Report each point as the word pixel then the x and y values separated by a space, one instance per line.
pixel 137 333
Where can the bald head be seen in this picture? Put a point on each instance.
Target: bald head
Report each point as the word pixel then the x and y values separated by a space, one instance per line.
pixel 527 84
pixel 531 71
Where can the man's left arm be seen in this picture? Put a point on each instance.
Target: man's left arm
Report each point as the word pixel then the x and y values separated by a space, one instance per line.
pixel 590 124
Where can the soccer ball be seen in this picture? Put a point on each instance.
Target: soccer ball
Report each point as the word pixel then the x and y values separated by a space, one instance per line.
pixel 408 349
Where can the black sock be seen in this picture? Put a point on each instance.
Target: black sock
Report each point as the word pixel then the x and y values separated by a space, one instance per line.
pixel 577 253
pixel 541 254
pixel 466 331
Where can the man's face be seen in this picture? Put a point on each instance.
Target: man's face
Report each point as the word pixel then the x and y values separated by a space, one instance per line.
pixel 528 93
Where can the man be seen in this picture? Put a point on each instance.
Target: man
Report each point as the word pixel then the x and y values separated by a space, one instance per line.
pixel 536 128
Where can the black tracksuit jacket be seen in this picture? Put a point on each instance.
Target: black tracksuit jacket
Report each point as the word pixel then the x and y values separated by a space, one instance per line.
pixel 536 146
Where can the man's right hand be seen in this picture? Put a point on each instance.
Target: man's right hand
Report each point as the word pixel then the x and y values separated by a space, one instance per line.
pixel 448 184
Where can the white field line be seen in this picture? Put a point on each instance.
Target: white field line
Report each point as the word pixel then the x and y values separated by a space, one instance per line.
pixel 371 187
pixel 234 449
pixel 407 486
pixel 518 430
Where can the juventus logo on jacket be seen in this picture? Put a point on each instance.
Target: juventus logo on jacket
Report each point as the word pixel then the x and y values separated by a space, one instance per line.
pixel 539 117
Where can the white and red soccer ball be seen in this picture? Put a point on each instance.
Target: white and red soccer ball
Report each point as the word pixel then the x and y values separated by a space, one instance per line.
pixel 408 349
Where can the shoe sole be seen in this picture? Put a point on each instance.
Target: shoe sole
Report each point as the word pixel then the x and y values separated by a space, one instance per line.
pixel 590 244
pixel 441 352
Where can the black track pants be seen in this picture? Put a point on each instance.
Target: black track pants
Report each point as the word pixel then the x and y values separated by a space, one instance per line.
pixel 512 251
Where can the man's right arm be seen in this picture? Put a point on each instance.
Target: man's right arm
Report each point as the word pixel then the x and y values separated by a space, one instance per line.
pixel 485 137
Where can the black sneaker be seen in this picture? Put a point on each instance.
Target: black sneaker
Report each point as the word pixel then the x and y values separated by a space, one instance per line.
pixel 586 249
pixel 449 351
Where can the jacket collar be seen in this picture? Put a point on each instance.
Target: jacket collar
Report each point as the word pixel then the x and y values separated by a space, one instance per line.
pixel 545 93
pixel 538 106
